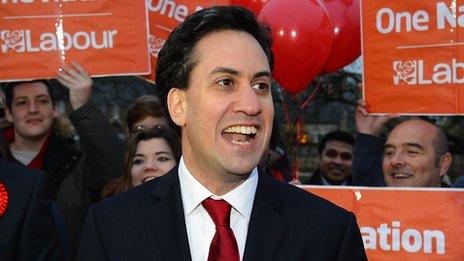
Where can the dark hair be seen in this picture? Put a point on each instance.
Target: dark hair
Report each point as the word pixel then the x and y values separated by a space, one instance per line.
pixel 124 183
pixel 142 107
pixel 341 136
pixel 8 89
pixel 177 58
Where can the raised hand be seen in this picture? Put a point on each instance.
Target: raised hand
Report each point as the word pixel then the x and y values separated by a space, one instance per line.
pixel 77 80
pixel 370 124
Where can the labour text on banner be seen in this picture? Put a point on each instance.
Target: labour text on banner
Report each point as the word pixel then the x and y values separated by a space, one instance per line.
pixel 37 37
pixel 413 56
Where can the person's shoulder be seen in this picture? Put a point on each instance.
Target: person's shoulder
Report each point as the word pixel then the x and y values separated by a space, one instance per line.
pixel 14 172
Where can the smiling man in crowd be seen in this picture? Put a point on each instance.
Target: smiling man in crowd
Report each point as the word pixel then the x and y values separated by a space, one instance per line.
pixel 335 156
pixel 214 76
pixel 415 154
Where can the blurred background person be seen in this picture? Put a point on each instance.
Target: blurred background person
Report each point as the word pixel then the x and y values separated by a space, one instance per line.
pixel 144 113
pixel 30 226
pixel 151 154
pixel 335 158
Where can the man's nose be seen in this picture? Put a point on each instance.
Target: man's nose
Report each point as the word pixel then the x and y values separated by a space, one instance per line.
pixel 397 159
pixel 338 160
pixel 248 102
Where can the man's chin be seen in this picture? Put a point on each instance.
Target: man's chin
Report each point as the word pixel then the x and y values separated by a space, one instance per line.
pixel 409 182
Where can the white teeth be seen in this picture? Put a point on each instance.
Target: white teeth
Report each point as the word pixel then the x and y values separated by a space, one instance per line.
pixel 148 179
pixel 240 142
pixel 401 175
pixel 247 130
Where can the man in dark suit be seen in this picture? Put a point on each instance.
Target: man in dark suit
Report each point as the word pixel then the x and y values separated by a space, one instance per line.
pixel 28 227
pixel 214 76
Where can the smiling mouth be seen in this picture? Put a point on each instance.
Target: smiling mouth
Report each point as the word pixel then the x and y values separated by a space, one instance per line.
pixel 148 179
pixel 33 121
pixel 240 134
pixel 400 175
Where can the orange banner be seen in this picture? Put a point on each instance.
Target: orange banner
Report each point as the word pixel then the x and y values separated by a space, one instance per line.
pixel 165 15
pixel 404 224
pixel 413 56
pixel 37 37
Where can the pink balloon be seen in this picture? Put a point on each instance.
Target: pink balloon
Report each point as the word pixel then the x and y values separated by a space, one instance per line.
pixel 254 6
pixel 346 25
pixel 303 35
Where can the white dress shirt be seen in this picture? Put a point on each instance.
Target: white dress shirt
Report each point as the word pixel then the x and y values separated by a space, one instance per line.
pixel 200 226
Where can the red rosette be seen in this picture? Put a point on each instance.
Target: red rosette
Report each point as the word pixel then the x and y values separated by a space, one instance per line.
pixel 3 199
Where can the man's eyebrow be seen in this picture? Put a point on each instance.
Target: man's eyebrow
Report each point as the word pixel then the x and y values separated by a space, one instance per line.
pixel 235 72
pixel 224 70
pixel 415 145
pixel 263 73
pixel 35 97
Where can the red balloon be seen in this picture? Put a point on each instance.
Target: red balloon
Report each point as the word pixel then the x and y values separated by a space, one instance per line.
pixel 346 25
pixel 303 35
pixel 254 6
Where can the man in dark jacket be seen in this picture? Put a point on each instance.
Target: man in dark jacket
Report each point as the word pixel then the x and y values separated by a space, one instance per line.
pixel 415 154
pixel 29 230
pixel 214 74
pixel 76 178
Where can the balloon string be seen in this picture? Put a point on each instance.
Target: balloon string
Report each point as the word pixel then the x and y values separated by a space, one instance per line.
pixel 303 104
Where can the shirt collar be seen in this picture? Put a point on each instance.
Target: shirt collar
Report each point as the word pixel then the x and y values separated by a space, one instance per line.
pixel 193 192
pixel 327 183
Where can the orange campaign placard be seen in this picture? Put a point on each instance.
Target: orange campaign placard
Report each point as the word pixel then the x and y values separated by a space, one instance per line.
pixel 107 37
pixel 165 15
pixel 404 224
pixel 413 56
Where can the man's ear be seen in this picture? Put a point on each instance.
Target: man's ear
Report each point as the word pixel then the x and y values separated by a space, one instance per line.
pixel 177 106
pixel 8 115
pixel 445 163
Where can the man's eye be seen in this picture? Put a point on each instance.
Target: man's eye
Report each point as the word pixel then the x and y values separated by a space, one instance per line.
pixel 226 82
pixel 262 86
pixel 413 152
pixel 346 156
pixel 388 153
pixel 20 103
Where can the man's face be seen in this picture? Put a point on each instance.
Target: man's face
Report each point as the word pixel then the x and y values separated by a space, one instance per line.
pixel 32 111
pixel 227 110
pixel 409 158
pixel 335 161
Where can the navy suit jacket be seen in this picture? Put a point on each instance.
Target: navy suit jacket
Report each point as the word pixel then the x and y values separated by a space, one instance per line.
pixel 287 223
pixel 28 228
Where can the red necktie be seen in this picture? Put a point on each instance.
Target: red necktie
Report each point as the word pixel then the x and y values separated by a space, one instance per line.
pixel 224 246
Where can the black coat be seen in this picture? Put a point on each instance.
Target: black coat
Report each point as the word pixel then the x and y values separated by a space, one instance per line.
pixel 28 228
pixel 287 223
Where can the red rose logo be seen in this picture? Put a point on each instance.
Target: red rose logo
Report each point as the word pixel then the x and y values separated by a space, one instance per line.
pixel 3 199
pixel 14 39
pixel 155 45
pixel 404 71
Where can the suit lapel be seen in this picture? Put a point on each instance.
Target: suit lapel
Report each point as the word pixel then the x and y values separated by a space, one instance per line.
pixel 266 225
pixel 167 217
